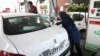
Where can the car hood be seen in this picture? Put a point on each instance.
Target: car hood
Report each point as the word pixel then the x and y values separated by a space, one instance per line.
pixel 33 43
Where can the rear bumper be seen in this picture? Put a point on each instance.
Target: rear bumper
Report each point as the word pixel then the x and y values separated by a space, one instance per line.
pixel 65 52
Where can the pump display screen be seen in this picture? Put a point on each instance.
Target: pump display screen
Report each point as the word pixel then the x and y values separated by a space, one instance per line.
pixel 97 4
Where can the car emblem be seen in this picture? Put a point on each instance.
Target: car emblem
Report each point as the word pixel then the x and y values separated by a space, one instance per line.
pixel 55 41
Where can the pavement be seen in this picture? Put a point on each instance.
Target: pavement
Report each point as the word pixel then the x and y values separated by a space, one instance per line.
pixel 85 52
pixel 88 52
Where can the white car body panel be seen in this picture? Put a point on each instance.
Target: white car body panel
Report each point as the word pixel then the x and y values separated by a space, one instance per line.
pixel 34 43
pixel 79 24
pixel 39 40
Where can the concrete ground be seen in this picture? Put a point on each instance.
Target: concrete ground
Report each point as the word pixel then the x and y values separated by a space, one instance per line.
pixel 85 52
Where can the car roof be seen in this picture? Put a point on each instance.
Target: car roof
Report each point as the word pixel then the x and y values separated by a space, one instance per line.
pixel 7 15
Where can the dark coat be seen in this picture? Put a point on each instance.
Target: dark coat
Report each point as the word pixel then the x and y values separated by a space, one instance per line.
pixel 68 24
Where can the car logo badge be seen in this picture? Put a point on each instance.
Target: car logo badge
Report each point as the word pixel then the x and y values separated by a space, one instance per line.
pixel 55 41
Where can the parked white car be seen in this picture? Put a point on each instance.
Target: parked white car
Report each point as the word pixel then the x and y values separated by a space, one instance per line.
pixel 24 34
pixel 80 19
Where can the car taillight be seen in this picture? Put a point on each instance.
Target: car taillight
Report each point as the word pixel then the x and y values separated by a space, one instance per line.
pixel 4 53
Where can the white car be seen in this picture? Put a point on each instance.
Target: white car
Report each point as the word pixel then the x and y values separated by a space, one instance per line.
pixel 24 34
pixel 80 20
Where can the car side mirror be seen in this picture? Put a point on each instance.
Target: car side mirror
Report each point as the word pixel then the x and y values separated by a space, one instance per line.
pixel 47 23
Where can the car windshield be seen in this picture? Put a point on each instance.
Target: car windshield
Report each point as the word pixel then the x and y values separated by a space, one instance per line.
pixel 24 24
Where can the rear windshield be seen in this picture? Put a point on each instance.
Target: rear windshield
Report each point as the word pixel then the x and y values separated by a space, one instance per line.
pixel 77 17
pixel 19 25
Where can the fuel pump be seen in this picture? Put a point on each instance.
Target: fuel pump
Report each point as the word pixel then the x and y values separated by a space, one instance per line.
pixel 93 28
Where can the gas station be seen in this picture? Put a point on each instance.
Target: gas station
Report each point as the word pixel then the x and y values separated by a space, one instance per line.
pixel 49 9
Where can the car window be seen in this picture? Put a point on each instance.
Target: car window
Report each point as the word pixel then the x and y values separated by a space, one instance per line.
pixel 77 17
pixel 97 4
pixel 19 25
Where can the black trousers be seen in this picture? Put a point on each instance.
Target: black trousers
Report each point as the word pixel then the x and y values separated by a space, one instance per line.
pixel 77 45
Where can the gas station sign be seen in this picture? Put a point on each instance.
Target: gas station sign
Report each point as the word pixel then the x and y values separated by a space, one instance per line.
pixel 97 32
pixel 93 28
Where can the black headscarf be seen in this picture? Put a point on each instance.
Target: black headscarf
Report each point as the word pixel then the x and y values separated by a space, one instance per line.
pixel 66 20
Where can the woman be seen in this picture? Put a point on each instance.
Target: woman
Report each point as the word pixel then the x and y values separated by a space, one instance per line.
pixel 73 33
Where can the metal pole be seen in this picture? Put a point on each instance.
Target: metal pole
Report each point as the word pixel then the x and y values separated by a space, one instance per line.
pixel 37 2
pixel 50 10
pixel 26 5
pixel 54 7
